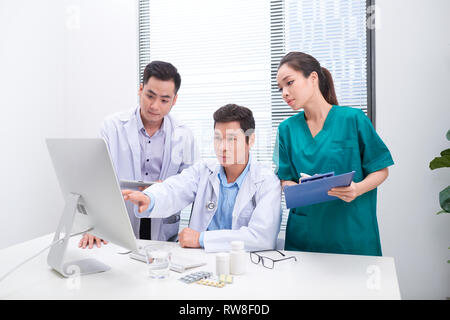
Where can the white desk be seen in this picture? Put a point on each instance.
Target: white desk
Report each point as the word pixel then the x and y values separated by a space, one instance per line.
pixel 313 276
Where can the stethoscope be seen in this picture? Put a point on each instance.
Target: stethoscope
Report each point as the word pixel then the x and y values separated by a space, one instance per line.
pixel 210 205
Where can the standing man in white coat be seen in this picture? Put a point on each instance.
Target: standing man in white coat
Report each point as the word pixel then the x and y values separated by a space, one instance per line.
pixel 146 143
pixel 234 199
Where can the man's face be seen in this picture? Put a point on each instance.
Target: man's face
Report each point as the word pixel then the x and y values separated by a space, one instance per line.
pixel 230 143
pixel 156 99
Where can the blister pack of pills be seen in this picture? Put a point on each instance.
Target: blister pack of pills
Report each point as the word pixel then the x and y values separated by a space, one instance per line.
pixel 196 276
pixel 211 283
pixel 220 282
pixel 226 278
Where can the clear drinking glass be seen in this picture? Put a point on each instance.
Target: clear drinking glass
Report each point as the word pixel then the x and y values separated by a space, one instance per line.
pixel 158 261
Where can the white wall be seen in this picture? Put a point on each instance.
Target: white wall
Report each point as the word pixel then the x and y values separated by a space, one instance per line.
pixel 64 66
pixel 101 75
pixel 413 116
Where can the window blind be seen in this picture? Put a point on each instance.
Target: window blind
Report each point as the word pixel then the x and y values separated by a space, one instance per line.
pixel 221 50
pixel 144 36
pixel 334 32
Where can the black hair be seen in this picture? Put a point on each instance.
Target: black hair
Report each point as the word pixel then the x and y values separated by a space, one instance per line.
pixel 233 112
pixel 306 64
pixel 163 71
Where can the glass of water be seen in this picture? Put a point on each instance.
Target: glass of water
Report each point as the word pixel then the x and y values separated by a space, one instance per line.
pixel 158 260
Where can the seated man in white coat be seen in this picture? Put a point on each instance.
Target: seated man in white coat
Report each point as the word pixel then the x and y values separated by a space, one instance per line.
pixel 147 144
pixel 235 199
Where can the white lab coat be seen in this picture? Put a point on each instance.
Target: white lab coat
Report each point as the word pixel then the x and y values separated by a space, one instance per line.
pixel 120 132
pixel 256 214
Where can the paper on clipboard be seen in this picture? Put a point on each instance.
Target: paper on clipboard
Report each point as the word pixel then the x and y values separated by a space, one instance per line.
pixel 315 189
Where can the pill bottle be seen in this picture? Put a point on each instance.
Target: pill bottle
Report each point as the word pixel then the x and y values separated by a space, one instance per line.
pixel 222 263
pixel 238 258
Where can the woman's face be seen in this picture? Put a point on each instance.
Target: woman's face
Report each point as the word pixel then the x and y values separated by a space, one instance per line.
pixel 295 88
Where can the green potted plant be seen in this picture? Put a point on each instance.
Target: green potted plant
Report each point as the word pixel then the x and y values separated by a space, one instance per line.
pixel 443 162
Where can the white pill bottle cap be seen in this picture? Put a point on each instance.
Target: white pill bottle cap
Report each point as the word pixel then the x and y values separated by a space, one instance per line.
pixel 237 245
pixel 238 258
pixel 222 263
pixel 222 256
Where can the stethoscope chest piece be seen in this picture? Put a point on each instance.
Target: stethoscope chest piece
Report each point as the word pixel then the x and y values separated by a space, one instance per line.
pixel 210 205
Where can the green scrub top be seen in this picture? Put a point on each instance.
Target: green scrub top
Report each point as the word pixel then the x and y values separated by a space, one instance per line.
pixel 346 142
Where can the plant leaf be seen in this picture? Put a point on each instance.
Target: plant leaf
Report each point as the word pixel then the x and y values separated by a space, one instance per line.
pixel 446 152
pixel 444 199
pixel 440 162
pixel 448 135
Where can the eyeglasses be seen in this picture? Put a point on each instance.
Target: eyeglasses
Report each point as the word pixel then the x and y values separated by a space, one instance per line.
pixel 266 261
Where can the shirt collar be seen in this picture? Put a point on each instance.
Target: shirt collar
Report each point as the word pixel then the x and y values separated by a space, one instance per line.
pixel 239 180
pixel 139 120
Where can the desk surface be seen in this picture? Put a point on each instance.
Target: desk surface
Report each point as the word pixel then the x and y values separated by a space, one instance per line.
pixel 313 276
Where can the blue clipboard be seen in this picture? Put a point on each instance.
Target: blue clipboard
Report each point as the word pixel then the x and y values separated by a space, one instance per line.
pixel 315 189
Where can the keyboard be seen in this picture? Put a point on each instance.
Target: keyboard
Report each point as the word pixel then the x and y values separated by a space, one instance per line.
pixel 178 263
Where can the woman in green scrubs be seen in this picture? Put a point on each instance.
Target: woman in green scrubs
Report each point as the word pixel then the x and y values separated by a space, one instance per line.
pixel 325 137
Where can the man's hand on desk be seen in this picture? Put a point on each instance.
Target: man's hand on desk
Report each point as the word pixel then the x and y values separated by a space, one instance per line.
pixel 89 240
pixel 189 238
pixel 138 198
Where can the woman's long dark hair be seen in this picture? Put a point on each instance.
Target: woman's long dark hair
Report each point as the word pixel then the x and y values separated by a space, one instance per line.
pixel 306 64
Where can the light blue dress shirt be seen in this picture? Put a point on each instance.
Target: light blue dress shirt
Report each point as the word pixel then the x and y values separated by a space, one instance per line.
pixel 223 216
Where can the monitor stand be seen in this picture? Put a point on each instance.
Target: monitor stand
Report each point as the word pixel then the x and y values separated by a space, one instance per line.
pixel 57 252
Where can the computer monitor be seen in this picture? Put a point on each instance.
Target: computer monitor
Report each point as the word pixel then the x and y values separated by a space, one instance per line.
pixel 90 187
